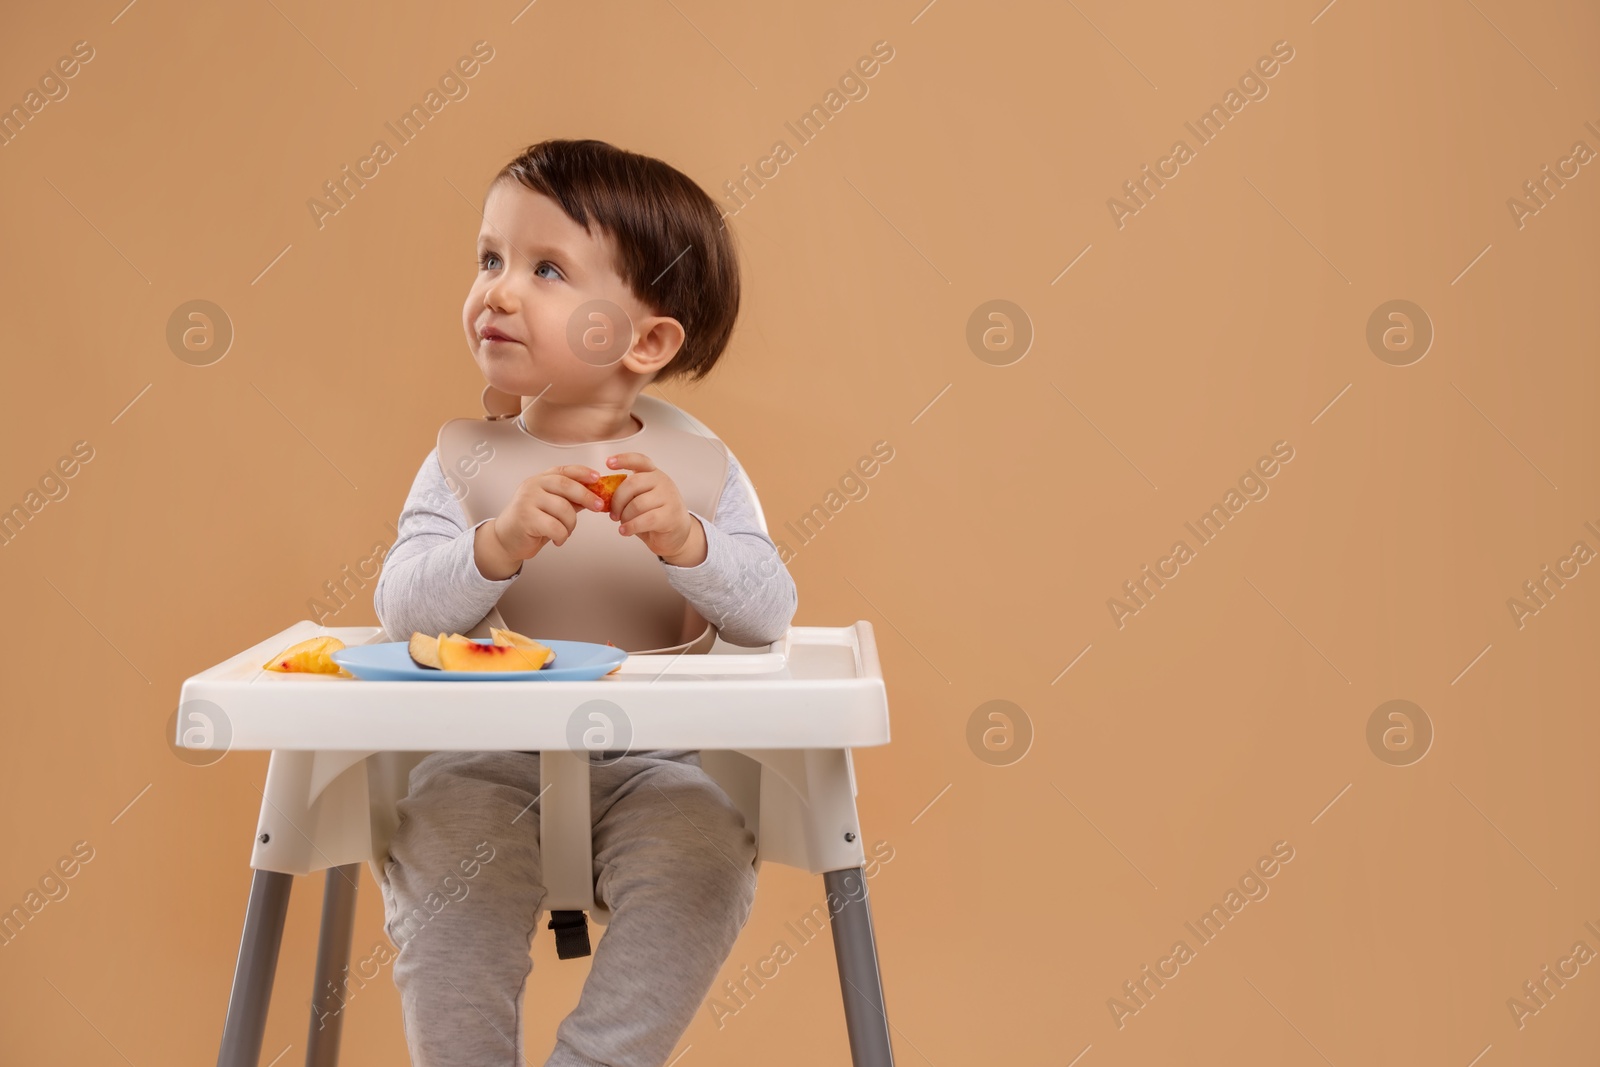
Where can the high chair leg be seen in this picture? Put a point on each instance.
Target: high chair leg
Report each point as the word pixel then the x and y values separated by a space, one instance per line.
pixel 857 954
pixel 246 1023
pixel 333 959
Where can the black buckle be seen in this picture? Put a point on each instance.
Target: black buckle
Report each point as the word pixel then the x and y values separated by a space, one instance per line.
pixel 572 934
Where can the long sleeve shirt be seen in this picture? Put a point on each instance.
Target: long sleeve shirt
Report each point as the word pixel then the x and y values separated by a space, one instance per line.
pixel 431 582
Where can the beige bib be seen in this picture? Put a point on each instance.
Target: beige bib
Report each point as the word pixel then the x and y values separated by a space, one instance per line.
pixel 599 586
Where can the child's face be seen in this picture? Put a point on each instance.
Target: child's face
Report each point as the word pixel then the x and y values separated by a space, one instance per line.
pixel 536 269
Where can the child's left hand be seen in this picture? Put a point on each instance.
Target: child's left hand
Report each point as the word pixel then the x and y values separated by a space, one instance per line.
pixel 649 505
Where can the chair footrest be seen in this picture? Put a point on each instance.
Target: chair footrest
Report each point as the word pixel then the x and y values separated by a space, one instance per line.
pixel 572 934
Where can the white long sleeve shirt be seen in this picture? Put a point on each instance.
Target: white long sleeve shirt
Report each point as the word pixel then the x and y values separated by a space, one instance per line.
pixel 431 582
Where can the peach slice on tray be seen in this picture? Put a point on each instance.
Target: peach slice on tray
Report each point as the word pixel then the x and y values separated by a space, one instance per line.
pixel 310 656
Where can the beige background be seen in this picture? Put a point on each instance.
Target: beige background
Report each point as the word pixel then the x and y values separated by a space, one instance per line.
pixel 1228 314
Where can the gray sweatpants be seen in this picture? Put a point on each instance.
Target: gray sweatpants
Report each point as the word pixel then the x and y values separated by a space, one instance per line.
pixel 463 894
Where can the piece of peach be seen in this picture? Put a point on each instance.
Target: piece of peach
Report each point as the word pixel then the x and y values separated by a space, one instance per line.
pixel 516 640
pixel 309 656
pixel 464 654
pixel 424 650
pixel 606 486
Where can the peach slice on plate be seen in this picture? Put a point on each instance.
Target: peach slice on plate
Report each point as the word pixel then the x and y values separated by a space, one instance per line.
pixel 424 650
pixel 465 654
pixel 310 656
pixel 428 651
pixel 516 640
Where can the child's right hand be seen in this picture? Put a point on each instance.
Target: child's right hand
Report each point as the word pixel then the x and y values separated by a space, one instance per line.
pixel 543 509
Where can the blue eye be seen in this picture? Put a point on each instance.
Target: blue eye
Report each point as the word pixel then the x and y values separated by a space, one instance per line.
pixel 483 263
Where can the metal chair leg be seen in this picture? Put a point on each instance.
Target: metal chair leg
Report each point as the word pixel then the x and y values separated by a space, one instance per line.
pixel 333 960
pixel 246 1024
pixel 857 953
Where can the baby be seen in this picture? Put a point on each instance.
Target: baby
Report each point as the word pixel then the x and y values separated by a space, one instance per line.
pixel 599 271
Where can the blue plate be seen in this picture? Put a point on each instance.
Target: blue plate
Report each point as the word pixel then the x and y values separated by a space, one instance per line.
pixel 575 661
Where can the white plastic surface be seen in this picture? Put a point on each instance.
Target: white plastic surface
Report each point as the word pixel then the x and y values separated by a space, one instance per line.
pixel 774 728
pixel 820 687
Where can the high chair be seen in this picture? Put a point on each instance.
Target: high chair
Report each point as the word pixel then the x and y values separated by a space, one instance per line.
pixel 774 726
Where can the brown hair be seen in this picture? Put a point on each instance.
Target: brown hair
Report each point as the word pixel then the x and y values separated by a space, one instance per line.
pixel 675 253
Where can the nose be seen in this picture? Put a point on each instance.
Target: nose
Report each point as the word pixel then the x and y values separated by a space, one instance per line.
pixel 498 295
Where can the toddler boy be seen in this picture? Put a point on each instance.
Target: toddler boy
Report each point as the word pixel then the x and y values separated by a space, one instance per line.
pixel 599 271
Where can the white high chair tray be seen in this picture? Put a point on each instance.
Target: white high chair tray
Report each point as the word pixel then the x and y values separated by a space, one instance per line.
pixel 820 687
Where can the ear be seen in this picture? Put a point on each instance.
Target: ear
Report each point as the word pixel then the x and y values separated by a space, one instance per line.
pixel 660 337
